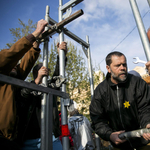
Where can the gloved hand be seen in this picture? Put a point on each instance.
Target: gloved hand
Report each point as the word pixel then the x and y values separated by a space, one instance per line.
pixel 59 80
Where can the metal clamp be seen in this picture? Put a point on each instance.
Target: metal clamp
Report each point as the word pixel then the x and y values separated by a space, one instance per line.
pixel 68 102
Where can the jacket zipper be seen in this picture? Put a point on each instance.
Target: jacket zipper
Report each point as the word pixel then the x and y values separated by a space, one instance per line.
pixel 120 112
pixel 119 106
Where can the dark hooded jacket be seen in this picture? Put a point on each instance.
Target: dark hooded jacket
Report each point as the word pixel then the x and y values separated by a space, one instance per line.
pixel 125 106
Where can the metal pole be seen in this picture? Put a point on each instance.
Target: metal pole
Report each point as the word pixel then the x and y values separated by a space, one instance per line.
pixel 90 67
pixel 44 144
pixel 70 34
pixel 97 139
pixel 59 25
pixel 141 28
pixel 148 2
pixel 49 122
pixel 64 120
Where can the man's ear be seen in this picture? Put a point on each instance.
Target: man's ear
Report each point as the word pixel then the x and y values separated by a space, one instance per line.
pixel 108 68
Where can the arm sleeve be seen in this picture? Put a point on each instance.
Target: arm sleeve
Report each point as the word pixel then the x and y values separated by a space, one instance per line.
pixel 10 57
pixel 27 63
pixel 99 117
pixel 143 103
pixel 56 72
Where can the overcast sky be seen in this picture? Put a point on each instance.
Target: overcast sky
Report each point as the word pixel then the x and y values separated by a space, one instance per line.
pixel 106 22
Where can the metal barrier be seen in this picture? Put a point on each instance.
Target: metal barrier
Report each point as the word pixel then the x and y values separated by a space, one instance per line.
pixel 47 118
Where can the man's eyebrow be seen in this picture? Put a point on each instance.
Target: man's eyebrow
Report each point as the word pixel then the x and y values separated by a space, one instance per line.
pixel 121 64
pixel 117 64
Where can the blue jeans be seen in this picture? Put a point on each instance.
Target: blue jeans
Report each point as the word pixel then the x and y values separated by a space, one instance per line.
pixel 35 144
pixel 57 145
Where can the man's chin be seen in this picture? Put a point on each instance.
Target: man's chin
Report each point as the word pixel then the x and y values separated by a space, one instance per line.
pixel 123 79
pixel 119 80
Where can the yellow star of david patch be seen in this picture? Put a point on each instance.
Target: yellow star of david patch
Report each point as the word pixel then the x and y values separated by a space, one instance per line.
pixel 126 104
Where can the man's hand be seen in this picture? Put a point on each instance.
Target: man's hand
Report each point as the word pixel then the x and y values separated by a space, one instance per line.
pixel 35 45
pixel 115 139
pixel 146 136
pixel 43 71
pixel 62 46
pixel 148 63
pixel 148 66
pixel 40 27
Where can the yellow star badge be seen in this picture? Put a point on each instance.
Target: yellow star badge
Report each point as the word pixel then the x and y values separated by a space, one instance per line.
pixel 126 104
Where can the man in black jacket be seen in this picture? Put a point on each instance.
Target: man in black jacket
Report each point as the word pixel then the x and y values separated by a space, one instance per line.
pixel 121 103
pixel 29 107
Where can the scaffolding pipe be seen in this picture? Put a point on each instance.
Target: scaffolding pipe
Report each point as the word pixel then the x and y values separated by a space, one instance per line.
pixel 97 139
pixel 90 67
pixel 64 119
pixel 70 34
pixel 141 28
pixel 59 25
pixel 49 122
pixel 148 2
pixel 44 144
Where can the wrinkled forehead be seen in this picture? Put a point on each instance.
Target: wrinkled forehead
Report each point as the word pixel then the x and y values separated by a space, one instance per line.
pixel 118 59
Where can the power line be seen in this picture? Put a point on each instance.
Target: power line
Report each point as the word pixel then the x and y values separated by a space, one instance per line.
pixel 125 36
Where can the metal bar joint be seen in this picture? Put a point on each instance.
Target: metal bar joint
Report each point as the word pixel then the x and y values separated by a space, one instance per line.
pixel 68 102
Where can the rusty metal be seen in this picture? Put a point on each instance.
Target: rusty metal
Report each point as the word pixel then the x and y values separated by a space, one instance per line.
pixel 60 25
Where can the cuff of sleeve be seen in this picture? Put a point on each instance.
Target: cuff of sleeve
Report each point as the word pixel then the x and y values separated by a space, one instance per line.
pixel 145 125
pixel 31 38
pixel 33 81
pixel 37 49
pixel 108 135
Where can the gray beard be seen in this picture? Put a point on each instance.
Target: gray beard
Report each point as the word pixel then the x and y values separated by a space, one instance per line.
pixel 117 78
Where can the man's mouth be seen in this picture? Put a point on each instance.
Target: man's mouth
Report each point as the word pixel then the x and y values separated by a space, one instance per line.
pixel 122 74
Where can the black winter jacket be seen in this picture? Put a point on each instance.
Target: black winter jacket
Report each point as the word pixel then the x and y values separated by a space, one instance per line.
pixel 125 106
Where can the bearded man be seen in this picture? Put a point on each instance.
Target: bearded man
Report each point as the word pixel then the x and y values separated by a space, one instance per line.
pixel 120 104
